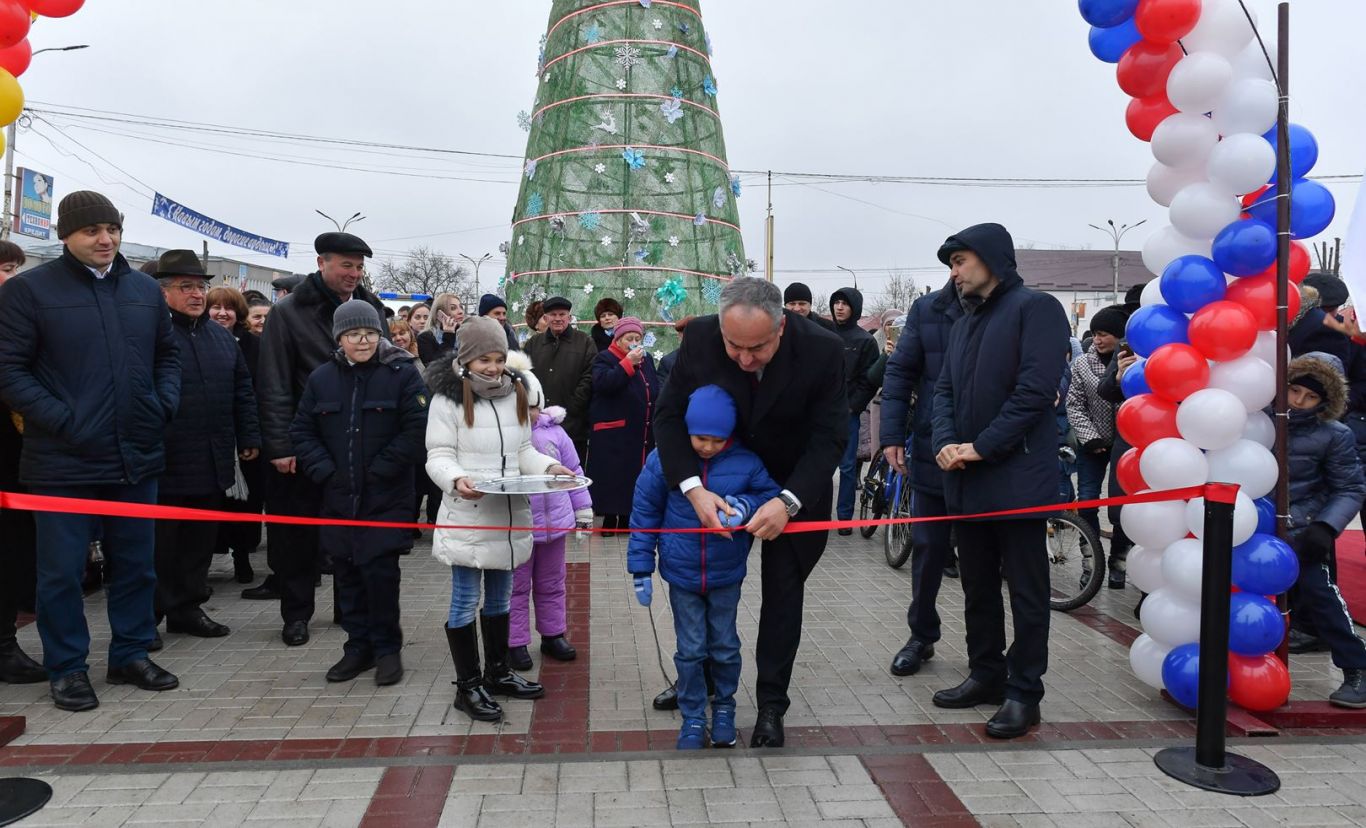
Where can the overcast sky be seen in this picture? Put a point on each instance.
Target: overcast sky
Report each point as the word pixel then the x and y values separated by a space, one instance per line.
pixel 970 88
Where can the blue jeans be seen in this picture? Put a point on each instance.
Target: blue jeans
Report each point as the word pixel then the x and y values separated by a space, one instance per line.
pixel 704 625
pixel 930 551
pixel 1091 470
pixel 844 506
pixel 465 583
pixel 129 549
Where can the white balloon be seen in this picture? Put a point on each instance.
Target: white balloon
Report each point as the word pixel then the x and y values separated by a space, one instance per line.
pixel 1173 463
pixel 1143 568
pixel 1183 567
pixel 1211 418
pixel 1247 378
pixel 1265 347
pixel 1244 518
pixel 1260 429
pixel 1146 657
pixel 1169 244
pixel 1154 525
pixel 1197 81
pixel 1184 139
pixel 1169 619
pixel 1241 163
pixel 1152 293
pixel 1248 105
pixel 1223 28
pixel 1201 210
pixel 1251 465
pixel 1252 61
pixel 1165 182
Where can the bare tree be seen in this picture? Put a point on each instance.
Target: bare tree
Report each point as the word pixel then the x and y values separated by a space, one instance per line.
pixel 821 307
pixel 898 292
pixel 424 271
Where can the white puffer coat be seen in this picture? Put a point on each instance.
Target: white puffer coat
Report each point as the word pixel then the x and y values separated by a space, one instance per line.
pixel 497 446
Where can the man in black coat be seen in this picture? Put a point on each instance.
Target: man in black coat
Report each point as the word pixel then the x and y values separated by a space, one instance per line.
pixel 297 339
pixel 797 298
pixel 562 358
pixel 787 378
pixel 860 353
pixel 88 359
pixel 996 438
pixel 216 424
pixel 912 371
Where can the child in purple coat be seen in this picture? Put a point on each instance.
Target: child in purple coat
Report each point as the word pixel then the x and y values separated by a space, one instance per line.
pixel 542 577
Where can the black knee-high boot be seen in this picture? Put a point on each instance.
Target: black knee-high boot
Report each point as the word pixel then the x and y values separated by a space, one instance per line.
pixel 471 697
pixel 498 674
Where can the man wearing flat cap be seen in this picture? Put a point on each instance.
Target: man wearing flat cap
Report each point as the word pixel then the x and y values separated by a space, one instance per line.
pixel 562 359
pixel 89 360
pixel 298 338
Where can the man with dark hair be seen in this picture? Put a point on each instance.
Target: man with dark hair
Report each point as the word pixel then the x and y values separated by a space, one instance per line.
pixel 860 353
pixel 89 361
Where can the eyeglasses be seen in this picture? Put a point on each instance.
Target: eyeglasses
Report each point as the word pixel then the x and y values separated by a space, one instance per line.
pixel 357 337
pixel 191 287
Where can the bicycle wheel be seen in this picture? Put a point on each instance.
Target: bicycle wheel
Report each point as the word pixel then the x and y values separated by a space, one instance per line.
pixel 896 541
pixel 1076 562
pixel 871 504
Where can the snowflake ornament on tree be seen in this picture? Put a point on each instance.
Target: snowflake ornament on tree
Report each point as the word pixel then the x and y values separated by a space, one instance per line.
pixel 628 57
pixel 711 291
pixel 629 293
pixel 588 288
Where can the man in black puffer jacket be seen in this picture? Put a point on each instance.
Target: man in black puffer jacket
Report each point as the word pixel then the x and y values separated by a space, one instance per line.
pixel 216 423
pixel 860 352
pixel 88 359
pixel 996 438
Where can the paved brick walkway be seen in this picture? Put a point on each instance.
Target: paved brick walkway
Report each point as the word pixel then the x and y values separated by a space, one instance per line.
pixel 256 736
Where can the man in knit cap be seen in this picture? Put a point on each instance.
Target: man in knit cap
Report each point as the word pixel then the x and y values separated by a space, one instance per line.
pixel 88 359
pixel 797 298
pixel 495 307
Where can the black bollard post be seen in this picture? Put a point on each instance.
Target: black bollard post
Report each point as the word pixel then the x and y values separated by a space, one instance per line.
pixel 1208 765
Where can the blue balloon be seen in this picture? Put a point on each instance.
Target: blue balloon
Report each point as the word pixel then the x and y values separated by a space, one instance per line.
pixel 1107 13
pixel 1110 44
pixel 1154 326
pixel 1304 151
pixel 1135 381
pixel 1181 674
pixel 1191 282
pixel 1266 520
pixel 1311 208
pixel 1265 564
pixel 1255 626
pixel 1246 247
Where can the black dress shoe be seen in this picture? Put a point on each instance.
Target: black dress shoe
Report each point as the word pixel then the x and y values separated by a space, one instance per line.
pixel 519 658
pixel 241 568
pixel 768 729
pixel 198 625
pixel 846 532
pixel 295 633
pixel 266 591
pixel 388 670
pixel 951 569
pixel 1013 720
pixel 73 692
pixel 16 667
pixel 558 648
pixel 908 659
pixel 350 666
pixel 970 694
pixel 1117 579
pixel 144 674
pixel 157 644
pixel 667 700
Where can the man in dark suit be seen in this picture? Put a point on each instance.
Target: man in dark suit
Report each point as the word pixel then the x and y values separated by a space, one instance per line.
pixel 786 375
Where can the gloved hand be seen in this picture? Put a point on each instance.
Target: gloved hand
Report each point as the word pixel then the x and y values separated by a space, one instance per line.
pixel 583 519
pixel 740 517
pixel 645 589
pixel 1096 446
pixel 1315 543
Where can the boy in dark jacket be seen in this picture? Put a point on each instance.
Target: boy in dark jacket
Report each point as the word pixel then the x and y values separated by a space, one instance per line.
pixel 704 572
pixel 1326 491
pixel 361 427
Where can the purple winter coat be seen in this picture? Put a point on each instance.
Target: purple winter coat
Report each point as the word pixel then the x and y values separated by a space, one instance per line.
pixel 556 510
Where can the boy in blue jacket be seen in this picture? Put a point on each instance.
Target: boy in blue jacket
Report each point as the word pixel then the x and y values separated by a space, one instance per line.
pixel 704 572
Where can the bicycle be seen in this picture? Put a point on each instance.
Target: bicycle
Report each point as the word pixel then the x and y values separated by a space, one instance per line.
pixel 873 494
pixel 1076 561
pixel 896 541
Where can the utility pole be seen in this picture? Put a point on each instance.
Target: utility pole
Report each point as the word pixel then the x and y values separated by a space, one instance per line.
pixel 1116 233
pixel 851 273
pixel 768 237
pixel 475 263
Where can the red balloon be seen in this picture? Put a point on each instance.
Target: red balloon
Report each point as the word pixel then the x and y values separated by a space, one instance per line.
pixel 1146 418
pixel 1127 473
pixel 14 23
pixel 1299 264
pixel 1143 70
pixel 54 8
pixel 16 58
pixel 1255 196
pixel 1258 683
pixel 1258 294
pixel 1163 21
pixel 1175 371
pixel 1144 114
pixel 1223 330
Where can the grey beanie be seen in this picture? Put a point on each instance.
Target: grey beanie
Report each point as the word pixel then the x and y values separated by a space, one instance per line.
pixel 478 336
pixel 352 315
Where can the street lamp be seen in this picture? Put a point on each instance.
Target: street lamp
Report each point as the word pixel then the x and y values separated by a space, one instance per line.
pixel 476 263
pixel 1116 233
pixel 850 272
pixel 341 227
pixel 12 135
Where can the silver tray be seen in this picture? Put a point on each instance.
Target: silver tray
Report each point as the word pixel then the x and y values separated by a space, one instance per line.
pixel 530 484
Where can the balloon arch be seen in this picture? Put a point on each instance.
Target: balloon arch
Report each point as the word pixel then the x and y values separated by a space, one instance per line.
pixel 16 18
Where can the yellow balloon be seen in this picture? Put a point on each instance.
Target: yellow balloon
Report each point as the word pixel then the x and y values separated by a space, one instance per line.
pixel 11 99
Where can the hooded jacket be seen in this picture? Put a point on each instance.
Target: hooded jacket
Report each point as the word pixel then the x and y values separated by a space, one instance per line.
pixel 860 351
pixel 1326 481
pixel 557 511
pixel 999 385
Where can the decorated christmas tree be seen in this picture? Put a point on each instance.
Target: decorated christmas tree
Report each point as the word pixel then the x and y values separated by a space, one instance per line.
pixel 626 189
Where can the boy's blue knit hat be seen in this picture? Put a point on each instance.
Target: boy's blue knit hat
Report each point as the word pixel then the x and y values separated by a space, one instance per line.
pixel 711 412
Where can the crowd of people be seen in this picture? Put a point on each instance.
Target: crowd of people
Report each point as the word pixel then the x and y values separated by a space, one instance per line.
pixel 155 388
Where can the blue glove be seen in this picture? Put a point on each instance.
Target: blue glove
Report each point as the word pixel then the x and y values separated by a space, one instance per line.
pixel 741 516
pixel 645 589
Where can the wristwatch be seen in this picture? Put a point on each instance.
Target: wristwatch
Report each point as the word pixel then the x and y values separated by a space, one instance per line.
pixel 790 503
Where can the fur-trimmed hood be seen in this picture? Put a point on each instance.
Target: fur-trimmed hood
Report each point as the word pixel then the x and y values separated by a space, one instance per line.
pixel 444 377
pixel 1327 369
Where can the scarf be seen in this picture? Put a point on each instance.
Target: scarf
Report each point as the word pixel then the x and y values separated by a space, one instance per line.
pixel 489 389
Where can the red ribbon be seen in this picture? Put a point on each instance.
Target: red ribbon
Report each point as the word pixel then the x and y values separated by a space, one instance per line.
pixel 110 508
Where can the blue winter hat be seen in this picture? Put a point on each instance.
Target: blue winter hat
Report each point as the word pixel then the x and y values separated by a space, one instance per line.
pixel 711 412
